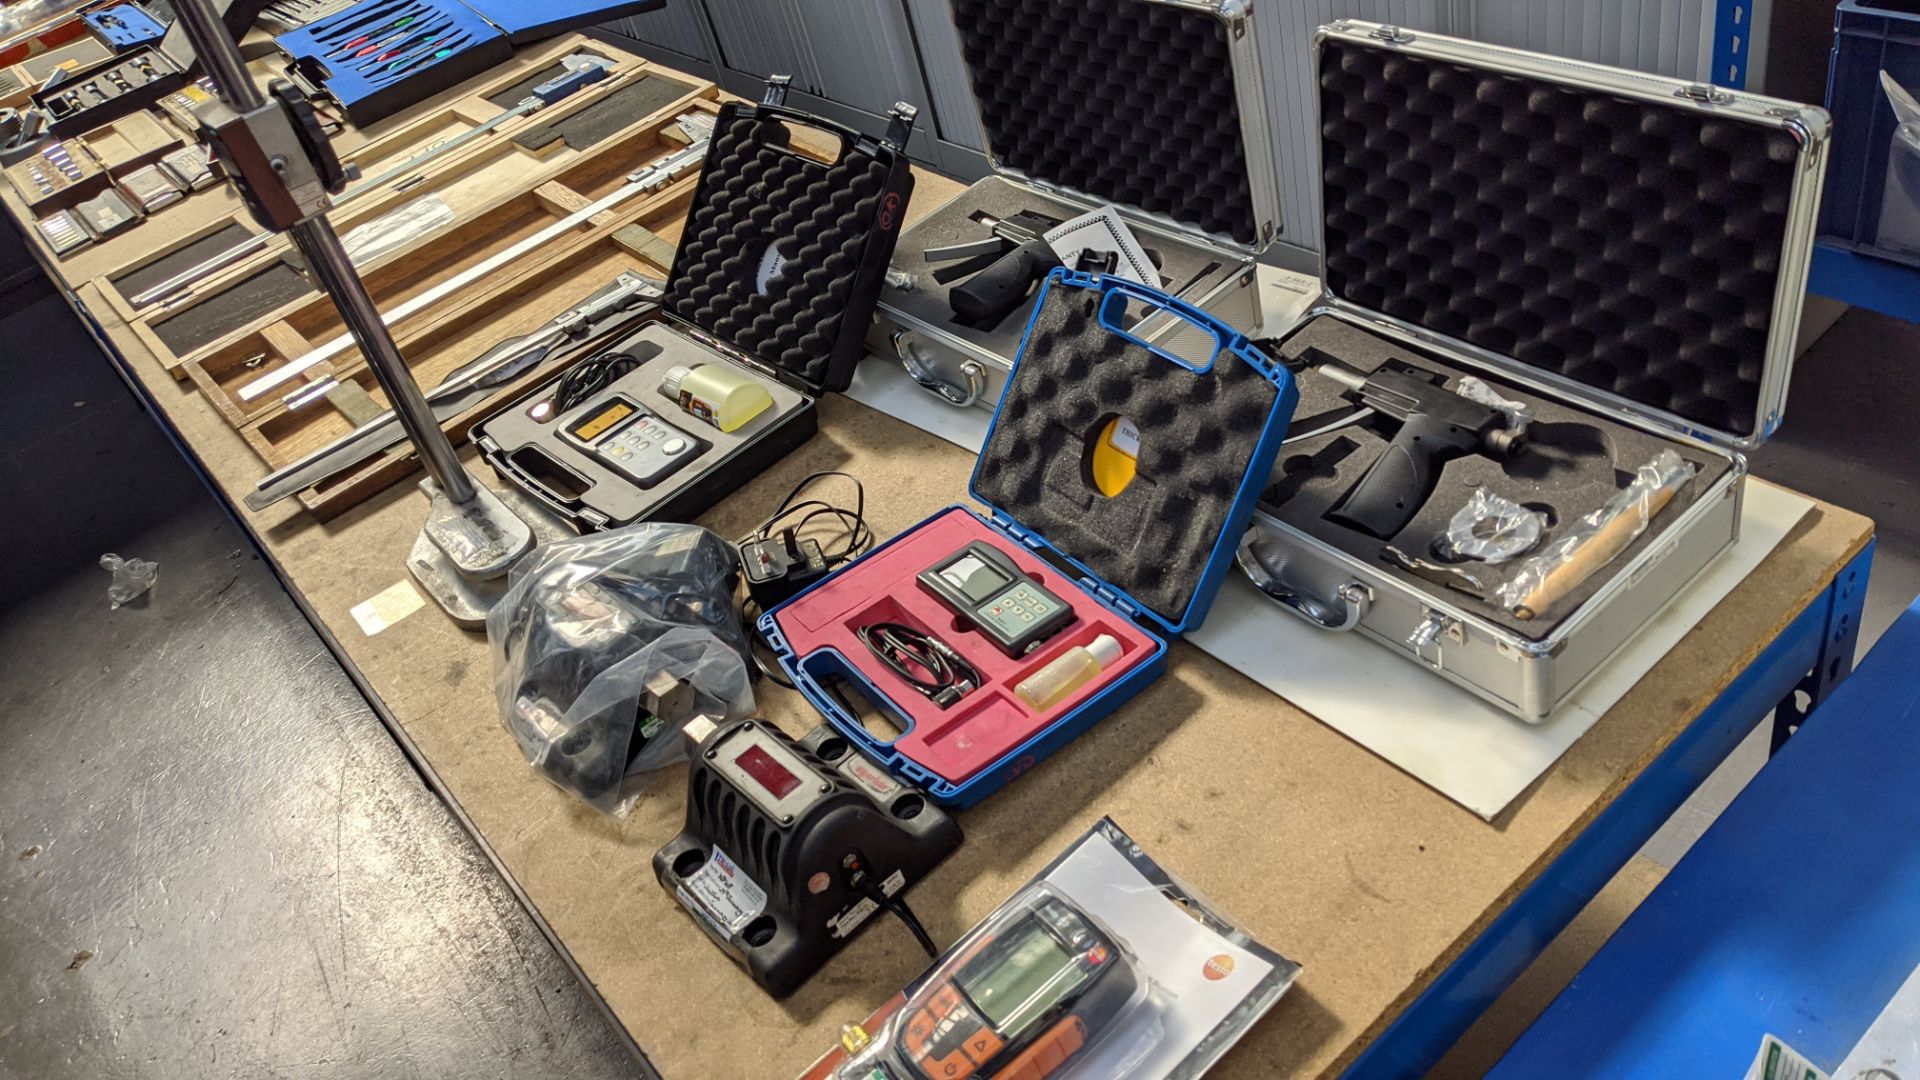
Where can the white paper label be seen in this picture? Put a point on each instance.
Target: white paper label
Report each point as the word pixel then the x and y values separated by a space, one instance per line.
pixel 725 893
pixel 388 606
pixel 849 920
pixel 1126 437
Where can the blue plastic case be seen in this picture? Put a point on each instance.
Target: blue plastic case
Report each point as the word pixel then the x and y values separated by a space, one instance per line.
pixel 807 671
pixel 442 42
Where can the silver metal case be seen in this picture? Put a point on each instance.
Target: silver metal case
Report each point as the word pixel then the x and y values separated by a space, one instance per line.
pixel 1212 270
pixel 1337 591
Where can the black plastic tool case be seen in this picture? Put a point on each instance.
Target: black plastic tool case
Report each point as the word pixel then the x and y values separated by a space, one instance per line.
pixel 1626 254
pixel 829 225
pixel 1158 107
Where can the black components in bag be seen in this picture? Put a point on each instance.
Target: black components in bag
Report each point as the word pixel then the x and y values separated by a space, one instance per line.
pixel 775 281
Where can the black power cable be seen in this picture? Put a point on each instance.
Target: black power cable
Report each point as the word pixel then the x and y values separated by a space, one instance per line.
pixel 947 677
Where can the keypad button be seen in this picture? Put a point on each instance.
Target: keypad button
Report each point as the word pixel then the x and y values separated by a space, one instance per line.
pixel 1024 617
pixel 674 446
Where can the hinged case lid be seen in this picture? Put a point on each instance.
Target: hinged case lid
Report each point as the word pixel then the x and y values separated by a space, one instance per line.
pixel 533 20
pixel 1626 240
pixel 1155 106
pixel 1204 434
pixel 783 255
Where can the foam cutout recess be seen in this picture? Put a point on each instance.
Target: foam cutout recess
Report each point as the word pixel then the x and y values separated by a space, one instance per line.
pixel 833 225
pixel 956 743
pixel 1129 101
pixel 1628 246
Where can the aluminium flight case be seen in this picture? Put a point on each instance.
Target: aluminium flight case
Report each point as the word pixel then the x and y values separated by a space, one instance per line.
pixel 1157 107
pixel 776 275
pixel 1622 250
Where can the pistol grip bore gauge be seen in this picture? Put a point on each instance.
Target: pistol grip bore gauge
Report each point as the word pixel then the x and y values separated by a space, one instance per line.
pixel 790 846
pixel 280 160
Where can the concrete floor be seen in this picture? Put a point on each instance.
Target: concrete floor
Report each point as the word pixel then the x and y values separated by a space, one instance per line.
pixel 209 875
pixel 214 860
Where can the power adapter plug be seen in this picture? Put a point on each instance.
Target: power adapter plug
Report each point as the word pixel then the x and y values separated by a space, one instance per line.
pixel 779 567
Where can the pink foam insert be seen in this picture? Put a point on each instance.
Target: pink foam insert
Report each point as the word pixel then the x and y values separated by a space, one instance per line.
pixel 958 742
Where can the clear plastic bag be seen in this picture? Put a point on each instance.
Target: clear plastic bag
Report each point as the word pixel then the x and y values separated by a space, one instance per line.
pixel 1519 415
pixel 131 577
pixel 604 644
pixel 1596 539
pixel 1900 202
pixel 1493 529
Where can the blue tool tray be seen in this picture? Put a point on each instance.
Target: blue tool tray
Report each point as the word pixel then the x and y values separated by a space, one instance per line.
pixel 1143 564
pixel 425 46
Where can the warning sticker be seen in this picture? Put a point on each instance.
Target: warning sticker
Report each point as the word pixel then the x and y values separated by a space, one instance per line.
pixel 849 920
pixel 725 893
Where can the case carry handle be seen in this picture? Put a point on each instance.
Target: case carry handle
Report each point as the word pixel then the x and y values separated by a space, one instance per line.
pixel 1339 615
pixel 1117 292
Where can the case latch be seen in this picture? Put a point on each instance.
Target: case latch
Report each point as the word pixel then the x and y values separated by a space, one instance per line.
pixel 1705 94
pixel 1429 630
pixel 900 120
pixel 777 86
pixel 1392 35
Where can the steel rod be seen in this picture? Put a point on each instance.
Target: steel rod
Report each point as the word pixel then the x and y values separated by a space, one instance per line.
pixel 328 259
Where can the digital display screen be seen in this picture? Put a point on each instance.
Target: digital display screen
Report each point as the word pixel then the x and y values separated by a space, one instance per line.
pixel 978 580
pixel 1023 981
pixel 589 428
pixel 768 773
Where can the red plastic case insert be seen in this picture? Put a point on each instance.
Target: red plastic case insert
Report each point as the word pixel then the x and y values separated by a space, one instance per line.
pixel 981 728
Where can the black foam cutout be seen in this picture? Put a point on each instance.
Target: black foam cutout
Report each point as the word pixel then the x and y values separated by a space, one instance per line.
pixel 1628 246
pixel 1130 101
pixel 1198 435
pixel 755 193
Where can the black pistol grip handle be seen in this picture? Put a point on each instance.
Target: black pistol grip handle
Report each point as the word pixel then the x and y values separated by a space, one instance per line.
pixel 1401 482
pixel 993 294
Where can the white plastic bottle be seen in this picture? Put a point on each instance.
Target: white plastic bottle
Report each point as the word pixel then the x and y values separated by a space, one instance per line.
pixel 725 399
pixel 1068 672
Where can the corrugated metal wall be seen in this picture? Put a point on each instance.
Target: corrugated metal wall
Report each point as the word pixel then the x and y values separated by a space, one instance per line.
pixel 1286 45
pixel 1668 37
pixel 860 52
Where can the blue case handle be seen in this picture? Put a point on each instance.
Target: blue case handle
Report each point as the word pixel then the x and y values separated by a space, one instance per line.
pixel 1117 292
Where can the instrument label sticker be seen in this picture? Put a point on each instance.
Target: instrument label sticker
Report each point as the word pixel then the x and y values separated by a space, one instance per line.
pixel 724 893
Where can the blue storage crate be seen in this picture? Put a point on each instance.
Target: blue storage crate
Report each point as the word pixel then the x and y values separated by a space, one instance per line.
pixel 1869 36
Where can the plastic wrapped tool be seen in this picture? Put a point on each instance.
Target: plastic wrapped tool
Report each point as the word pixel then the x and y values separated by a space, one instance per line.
pixel 1492 529
pixel 604 645
pixel 1105 966
pixel 1899 227
pixel 1596 539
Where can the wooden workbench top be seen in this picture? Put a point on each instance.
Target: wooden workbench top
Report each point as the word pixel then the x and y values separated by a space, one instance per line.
pixel 1370 879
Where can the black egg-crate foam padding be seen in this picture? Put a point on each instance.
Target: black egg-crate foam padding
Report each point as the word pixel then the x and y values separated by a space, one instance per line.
pixel 998 197
pixel 1130 101
pixel 518 92
pixel 825 219
pixel 141 278
pixel 1198 434
pixel 608 116
pixel 230 309
pixel 1573 483
pixel 1629 246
